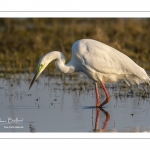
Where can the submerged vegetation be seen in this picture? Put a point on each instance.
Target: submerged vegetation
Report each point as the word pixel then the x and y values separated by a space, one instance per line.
pixel 23 41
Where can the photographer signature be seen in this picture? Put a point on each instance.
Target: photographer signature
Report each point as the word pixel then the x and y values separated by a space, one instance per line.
pixel 11 121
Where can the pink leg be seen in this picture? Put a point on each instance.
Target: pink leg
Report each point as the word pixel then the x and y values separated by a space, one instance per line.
pixel 107 95
pixel 97 95
pixel 105 90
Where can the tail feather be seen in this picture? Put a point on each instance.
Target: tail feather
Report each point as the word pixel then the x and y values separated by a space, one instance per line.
pixel 133 79
pixel 149 80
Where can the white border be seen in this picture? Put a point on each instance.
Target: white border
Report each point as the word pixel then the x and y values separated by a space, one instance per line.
pixel 75 14
pixel 74 5
pixel 46 135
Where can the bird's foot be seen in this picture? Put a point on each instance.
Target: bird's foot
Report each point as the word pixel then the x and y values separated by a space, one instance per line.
pixel 105 102
pixel 98 104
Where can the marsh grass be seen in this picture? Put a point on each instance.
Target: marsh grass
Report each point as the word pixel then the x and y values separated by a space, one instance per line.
pixel 24 41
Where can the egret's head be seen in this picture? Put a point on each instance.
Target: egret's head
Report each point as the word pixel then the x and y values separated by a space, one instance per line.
pixel 44 61
pixel 41 66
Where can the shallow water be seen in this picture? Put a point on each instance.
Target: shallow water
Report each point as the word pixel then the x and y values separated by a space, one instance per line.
pixel 66 103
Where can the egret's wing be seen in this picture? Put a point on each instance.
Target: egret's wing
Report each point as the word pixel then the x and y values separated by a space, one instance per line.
pixel 105 59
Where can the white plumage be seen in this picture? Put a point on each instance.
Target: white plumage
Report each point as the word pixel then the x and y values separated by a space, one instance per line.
pixel 104 63
pixel 99 62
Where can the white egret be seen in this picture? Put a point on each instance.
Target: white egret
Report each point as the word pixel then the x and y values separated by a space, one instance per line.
pixel 99 62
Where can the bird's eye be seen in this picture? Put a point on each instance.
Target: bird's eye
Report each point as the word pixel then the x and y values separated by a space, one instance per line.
pixel 40 67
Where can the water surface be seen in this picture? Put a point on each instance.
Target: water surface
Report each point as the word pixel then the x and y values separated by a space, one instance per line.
pixel 66 103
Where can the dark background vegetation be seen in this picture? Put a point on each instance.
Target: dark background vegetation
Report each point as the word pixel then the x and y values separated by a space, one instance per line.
pixel 24 40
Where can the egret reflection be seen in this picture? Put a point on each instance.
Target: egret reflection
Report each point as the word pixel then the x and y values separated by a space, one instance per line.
pixel 105 123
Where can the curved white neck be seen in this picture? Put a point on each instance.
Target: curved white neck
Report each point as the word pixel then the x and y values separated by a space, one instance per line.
pixel 60 62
